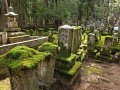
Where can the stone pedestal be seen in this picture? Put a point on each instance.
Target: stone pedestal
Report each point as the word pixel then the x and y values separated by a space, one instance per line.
pixel 25 79
pixel 65 37
pixel 39 77
pixel 46 73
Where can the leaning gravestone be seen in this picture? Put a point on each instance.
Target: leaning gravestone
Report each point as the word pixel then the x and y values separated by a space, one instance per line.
pixel 65 37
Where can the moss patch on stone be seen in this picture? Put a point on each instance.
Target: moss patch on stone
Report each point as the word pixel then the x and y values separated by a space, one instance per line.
pixel 48 47
pixel 67 59
pixel 21 57
pixel 116 48
pixel 71 71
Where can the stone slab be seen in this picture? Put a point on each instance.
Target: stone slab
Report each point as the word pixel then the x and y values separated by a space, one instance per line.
pixel 30 43
pixel 18 38
pixel 12 29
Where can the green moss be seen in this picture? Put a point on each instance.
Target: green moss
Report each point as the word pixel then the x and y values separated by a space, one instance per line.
pixel 116 48
pixel 80 51
pixel 71 71
pixel 55 39
pixel 100 43
pixel 93 70
pixel 21 57
pixel 77 27
pixel 67 59
pixel 48 47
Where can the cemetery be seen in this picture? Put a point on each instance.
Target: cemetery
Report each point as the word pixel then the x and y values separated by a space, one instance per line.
pixel 52 50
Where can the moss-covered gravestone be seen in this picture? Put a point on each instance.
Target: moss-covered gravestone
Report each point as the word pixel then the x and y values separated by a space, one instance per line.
pixel 91 45
pixel 91 42
pixel 67 68
pixel 46 77
pixel 105 53
pixel 65 37
pixel 76 39
pixel 24 65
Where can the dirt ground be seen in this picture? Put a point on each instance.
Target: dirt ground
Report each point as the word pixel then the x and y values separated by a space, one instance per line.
pixel 95 76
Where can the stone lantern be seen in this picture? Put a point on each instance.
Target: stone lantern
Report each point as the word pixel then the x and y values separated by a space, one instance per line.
pixel 14 33
pixel 11 18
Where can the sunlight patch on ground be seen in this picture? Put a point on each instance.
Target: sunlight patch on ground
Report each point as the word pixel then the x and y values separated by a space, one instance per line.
pixel 5 84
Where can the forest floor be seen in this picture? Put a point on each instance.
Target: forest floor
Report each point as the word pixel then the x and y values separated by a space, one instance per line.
pixel 93 76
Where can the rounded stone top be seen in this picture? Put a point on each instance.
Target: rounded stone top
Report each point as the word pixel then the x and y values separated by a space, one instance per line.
pixel 65 27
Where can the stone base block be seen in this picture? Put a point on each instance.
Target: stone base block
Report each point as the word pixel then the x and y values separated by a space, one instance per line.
pixel 66 77
pixel 12 29
pixel 91 54
pixel 105 58
pixel 18 38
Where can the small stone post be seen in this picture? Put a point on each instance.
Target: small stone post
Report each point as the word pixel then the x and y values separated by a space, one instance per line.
pixel 115 38
pixel 96 32
pixel 107 45
pixel 65 37
pixel 91 42
pixel 105 54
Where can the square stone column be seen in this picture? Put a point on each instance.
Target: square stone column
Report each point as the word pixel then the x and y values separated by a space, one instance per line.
pixel 76 39
pixel 107 45
pixel 91 42
pixel 105 54
pixel 65 37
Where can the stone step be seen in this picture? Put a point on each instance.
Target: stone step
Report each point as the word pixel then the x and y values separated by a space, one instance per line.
pixel 18 38
pixel 67 77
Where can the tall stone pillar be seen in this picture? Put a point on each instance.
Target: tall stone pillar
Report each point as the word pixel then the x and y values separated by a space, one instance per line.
pixel 76 39
pixel 65 37
pixel 91 45
pixel 91 42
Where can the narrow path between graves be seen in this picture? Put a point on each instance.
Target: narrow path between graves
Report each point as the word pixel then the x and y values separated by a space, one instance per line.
pixel 95 76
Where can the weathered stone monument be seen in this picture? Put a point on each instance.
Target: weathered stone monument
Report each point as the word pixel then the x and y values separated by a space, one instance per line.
pixel 65 36
pixel 105 53
pixel 14 33
pixel 91 42
pixel 91 45
pixel 30 69
pixel 76 39
pixel 67 67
